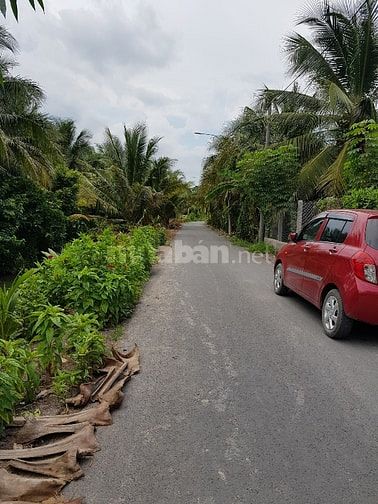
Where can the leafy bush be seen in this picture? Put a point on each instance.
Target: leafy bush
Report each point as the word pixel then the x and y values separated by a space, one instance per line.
pixel 329 203
pixel 47 330
pixel 269 177
pixel 63 382
pixel 84 344
pixel 30 221
pixel 361 198
pixel 62 304
pixel 11 324
pixel 84 348
pixel 73 336
pixel 101 274
pixel 18 377
pixel 66 188
pixel 361 168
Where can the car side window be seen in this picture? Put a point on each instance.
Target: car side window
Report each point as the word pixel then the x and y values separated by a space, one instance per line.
pixel 372 233
pixel 336 230
pixel 310 231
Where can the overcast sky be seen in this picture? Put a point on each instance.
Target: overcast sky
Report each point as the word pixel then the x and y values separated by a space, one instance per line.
pixel 180 65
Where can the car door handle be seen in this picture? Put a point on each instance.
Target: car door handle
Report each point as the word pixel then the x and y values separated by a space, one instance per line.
pixel 306 248
pixel 333 250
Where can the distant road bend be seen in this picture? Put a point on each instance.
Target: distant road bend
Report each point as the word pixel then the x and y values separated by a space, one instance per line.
pixel 241 398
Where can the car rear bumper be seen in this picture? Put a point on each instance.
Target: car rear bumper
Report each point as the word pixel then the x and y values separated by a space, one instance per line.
pixel 363 303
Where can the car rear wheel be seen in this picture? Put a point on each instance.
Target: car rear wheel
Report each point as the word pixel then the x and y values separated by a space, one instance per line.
pixel 336 323
pixel 279 287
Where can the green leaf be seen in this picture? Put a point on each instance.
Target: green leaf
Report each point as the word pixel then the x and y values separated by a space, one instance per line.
pixel 3 7
pixel 14 8
pixel 41 4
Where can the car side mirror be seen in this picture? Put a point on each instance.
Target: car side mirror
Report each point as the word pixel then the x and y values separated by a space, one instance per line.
pixel 293 237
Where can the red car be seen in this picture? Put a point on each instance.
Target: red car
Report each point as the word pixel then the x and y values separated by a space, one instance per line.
pixel 333 263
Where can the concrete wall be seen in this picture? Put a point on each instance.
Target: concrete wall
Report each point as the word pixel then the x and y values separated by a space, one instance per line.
pixel 275 243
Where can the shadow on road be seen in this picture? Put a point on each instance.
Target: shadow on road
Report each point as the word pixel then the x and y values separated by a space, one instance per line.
pixel 362 334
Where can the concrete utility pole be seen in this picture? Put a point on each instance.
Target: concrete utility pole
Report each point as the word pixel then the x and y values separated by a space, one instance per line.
pixel 267 144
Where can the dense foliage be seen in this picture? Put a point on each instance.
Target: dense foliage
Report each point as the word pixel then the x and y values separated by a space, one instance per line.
pixel 31 220
pixel 331 122
pixel 54 183
pixel 51 317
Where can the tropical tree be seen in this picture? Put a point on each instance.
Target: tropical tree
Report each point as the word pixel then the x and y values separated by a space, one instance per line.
pixel 75 148
pixel 26 135
pixel 130 182
pixel 14 6
pixel 219 187
pixel 339 65
pixel 268 178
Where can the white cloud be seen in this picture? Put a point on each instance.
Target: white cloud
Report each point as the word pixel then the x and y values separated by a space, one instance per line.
pixel 181 66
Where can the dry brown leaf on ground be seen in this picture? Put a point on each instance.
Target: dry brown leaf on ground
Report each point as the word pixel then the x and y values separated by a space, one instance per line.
pixel 99 415
pixel 132 358
pixel 84 441
pixel 114 396
pixel 83 397
pixel 64 467
pixel 53 500
pixel 16 487
pixel 38 430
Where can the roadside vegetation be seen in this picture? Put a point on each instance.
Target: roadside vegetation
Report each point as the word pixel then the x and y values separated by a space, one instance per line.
pixel 52 316
pixel 80 225
pixel 55 183
pixel 315 140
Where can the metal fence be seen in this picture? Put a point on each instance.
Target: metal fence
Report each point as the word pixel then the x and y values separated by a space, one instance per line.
pixel 293 218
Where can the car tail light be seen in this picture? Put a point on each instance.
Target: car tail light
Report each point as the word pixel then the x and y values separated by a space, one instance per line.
pixel 364 267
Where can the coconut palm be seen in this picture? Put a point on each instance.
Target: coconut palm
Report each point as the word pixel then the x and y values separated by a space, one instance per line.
pixel 219 186
pixel 133 157
pixel 26 135
pixel 14 6
pixel 339 66
pixel 130 182
pixel 75 148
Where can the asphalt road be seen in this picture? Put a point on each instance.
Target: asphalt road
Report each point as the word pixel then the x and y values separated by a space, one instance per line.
pixel 241 398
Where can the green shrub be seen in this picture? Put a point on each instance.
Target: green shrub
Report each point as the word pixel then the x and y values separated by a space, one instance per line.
pixel 84 344
pixel 47 330
pixel 18 377
pixel 62 304
pixel 64 381
pixel 11 324
pixel 361 198
pixel 84 349
pixel 361 167
pixel 30 221
pixel 101 274
pixel 73 336
pixel 329 203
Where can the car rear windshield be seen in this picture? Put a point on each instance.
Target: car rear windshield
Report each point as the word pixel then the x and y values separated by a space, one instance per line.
pixel 372 233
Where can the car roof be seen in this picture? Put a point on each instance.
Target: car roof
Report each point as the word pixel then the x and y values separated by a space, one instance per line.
pixel 346 211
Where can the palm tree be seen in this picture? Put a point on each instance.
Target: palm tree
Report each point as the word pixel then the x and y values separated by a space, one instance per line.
pixel 26 135
pixel 14 6
pixel 74 148
pixel 339 65
pixel 135 156
pixel 219 186
pixel 130 182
